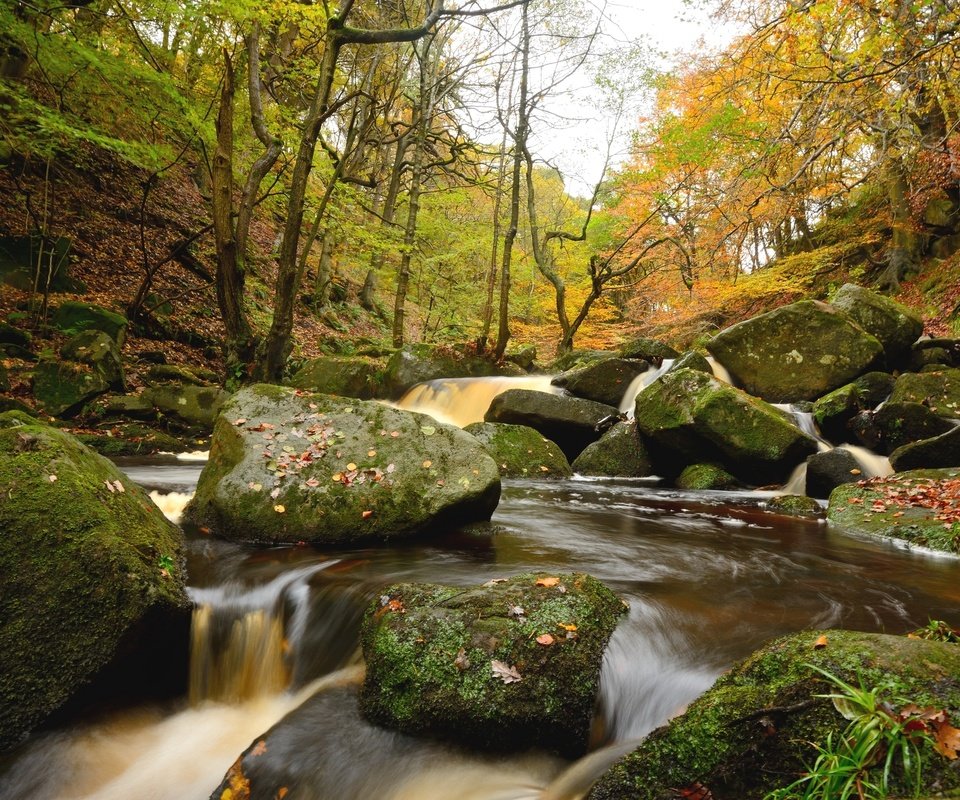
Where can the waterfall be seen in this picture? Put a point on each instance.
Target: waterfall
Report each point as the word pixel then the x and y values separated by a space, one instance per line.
pixel 171 503
pixel 642 381
pixel 460 401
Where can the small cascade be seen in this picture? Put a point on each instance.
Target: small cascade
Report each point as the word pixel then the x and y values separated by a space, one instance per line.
pixel 460 401
pixel 641 382
pixel 720 372
pixel 242 638
pixel 805 422
pixel 797 482
pixel 171 503
pixel 871 464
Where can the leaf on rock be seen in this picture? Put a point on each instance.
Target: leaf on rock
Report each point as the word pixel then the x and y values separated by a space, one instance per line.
pixel 461 662
pixel 427 464
pixel 279 508
pixel 505 672
pixel 366 514
pixel 695 791
pixel 546 640
pixel 820 643
pixel 428 430
pixel 946 739
pixel 259 748
pixel 549 581
pixel 567 626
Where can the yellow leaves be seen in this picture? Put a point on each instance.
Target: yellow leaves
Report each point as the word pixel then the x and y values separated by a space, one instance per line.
pixel 238 787
pixel 279 508
pixel 427 464
pixel 548 582
pixel 820 643
pixel 566 626
pixel 946 739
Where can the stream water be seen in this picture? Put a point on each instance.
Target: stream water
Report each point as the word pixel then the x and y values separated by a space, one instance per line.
pixel 709 578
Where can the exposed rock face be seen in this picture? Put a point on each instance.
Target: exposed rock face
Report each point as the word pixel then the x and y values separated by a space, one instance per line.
pixel 897 424
pixel 752 732
pixel 88 566
pixel 418 363
pixel 345 376
pixel 798 352
pixel 100 351
pixel 936 453
pixel 939 391
pixel 286 466
pixel 904 506
pixel 511 664
pixel 896 326
pixel 692 360
pixel 700 477
pixel 650 350
pixel 73 316
pixel 826 471
pixel 62 387
pixel 519 451
pixel 619 453
pixel 187 405
pixel 602 381
pixel 571 422
pixel 689 417
pixel 834 410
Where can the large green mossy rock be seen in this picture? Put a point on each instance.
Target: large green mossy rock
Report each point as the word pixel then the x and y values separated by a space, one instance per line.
pixel 700 477
pixel 939 391
pixel 89 567
pixel 571 422
pixel 603 381
pixel 798 352
pixel 509 665
pixel 619 453
pixel 289 466
pixel 896 326
pixel 907 506
pixel 689 417
pixel 417 363
pixel 896 424
pixel 100 352
pixel 652 350
pixel 834 410
pixel 62 387
pixel 73 317
pixel 754 730
pixel 519 451
pixel 938 452
pixel 191 406
pixel 345 376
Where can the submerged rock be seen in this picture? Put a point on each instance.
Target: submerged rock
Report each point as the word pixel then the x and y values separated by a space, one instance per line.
pixel 795 505
pixel 89 568
pixel 519 451
pixel 345 376
pixel 754 730
pixel 798 352
pixel 896 326
pixel 919 507
pixel 512 664
pixel 602 381
pixel 690 417
pixel 619 453
pixel 571 422
pixel 288 466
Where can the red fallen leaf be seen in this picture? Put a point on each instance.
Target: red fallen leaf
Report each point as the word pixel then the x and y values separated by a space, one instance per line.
pixel 366 514
pixel 946 739
pixel 820 643
pixel 546 640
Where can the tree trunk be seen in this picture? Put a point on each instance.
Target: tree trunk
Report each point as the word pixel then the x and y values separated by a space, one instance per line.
pixel 903 254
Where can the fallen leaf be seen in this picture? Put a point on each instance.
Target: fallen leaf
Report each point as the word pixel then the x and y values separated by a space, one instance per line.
pixel 505 672
pixel 394 434
pixel 820 643
pixel 493 581
pixel 441 482
pixel 366 514
pixel 52 478
pixel 351 466
pixel 946 739
pixel 259 748
pixel 566 626
pixel 275 493
pixel 427 464
pixel 391 468
pixel 428 430
pixel 240 421
pixel 279 509
pixel 551 581
pixel 282 792
pixel 546 639
pixel 336 477
pixel 695 791
pixel 514 611
pixel 461 662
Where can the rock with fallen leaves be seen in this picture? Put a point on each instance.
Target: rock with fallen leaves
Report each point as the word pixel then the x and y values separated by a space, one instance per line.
pixel 290 466
pixel 89 568
pixel 754 730
pixel 919 507
pixel 521 452
pixel 508 665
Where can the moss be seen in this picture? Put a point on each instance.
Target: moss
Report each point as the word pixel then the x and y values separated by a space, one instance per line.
pixel 520 451
pixel 620 452
pixel 940 391
pixel 793 505
pixel 698 477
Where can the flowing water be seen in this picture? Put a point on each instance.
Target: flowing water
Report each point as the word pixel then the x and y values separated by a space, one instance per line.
pixel 709 578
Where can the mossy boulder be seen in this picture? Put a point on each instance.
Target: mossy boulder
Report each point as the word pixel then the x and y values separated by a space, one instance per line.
pixel 62 387
pixel 4 379
pixel 289 466
pixel 131 439
pixel 795 505
pixel 524 356
pixel 602 381
pixel 73 317
pixel 571 422
pixel 187 405
pixel 509 665
pixel 938 452
pixel 89 570
pixel 896 326
pixel 700 477
pixel 574 359
pixel 124 406
pixel 754 730
pixel 170 373
pixel 917 507
pixel 417 363
pixel 10 334
pixel 100 351
pixel 692 360
pixel 689 417
pixel 896 424
pixel 652 350
pixel 619 453
pixel 345 376
pixel 828 470
pixel 939 391
pixel 519 451
pixel 797 352
pixel 834 410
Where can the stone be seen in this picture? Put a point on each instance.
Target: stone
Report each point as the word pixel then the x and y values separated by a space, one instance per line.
pixel 651 350
pixel 131 439
pixel 826 471
pixel 692 360
pixel 126 405
pixel 896 326
pixel 701 477
pixel 519 451
pixel 795 505
pixel 525 357
pixel 89 570
pixel 290 466
pixel 157 374
pixel 689 417
pixel 195 406
pixel 4 379
pixel 345 376
pixel 619 453
pixel 931 359
pixel 896 424
pixel 754 730
pixel 869 508
pixel 797 352
pixel 939 391
pixel 603 381
pixel 19 256
pixel 418 363
pixel 834 411
pixel 571 422
pixel 72 317
pixel 100 351
pixel 10 334
pixel 573 359
pixel 509 665
pixel 62 387
pixel 935 453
